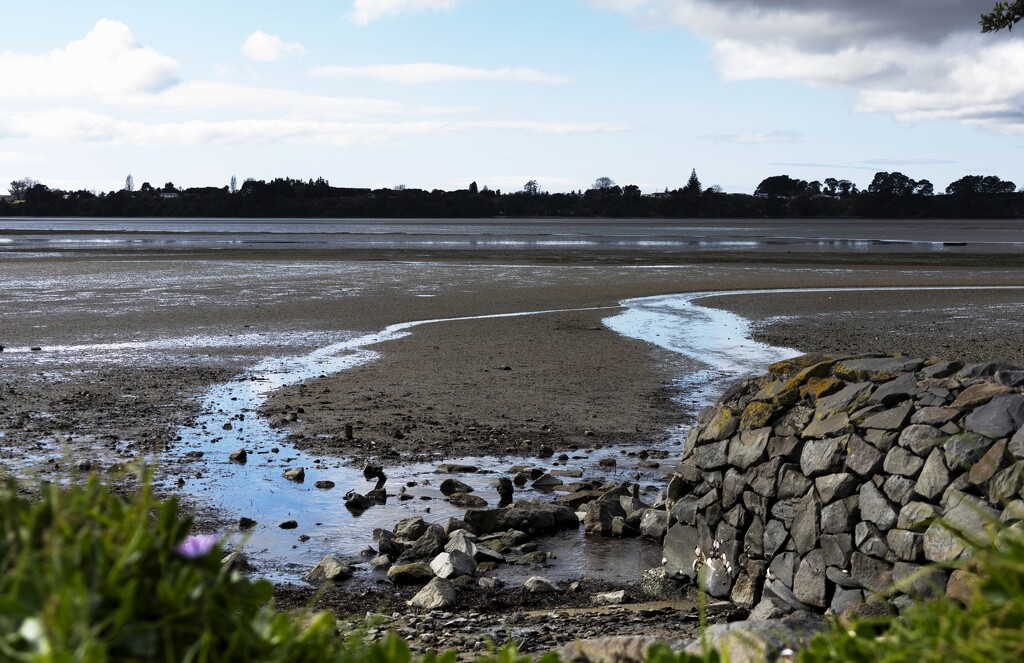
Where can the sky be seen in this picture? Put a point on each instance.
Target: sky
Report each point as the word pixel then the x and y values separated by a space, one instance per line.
pixel 440 93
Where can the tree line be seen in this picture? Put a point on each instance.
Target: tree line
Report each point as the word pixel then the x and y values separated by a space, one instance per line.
pixel 889 195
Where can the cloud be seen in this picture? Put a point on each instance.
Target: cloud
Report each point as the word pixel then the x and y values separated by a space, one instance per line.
pixel 429 72
pixel 756 138
pixel 365 12
pixel 913 59
pixel 261 47
pixel 108 60
pixel 72 125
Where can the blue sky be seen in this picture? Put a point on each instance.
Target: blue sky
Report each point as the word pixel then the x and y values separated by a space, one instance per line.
pixel 438 93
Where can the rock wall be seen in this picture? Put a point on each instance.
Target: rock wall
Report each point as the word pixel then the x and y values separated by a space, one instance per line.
pixel 822 482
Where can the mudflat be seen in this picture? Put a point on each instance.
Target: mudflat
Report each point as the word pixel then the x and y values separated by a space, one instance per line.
pixel 129 341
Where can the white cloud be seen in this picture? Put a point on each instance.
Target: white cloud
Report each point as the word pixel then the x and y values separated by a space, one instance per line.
pixel 913 59
pixel 108 60
pixel 756 138
pixel 71 125
pixel 10 156
pixel 263 47
pixel 365 12
pixel 430 72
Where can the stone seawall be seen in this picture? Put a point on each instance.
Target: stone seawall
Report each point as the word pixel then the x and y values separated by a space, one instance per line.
pixel 827 481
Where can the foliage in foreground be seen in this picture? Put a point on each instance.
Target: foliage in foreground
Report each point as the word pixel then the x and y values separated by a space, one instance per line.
pixel 87 575
pixel 990 627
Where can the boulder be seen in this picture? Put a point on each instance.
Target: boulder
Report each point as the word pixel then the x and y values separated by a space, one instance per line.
pixel 329 569
pixel 1002 416
pixel 438 594
pixel 541 585
pixel 416 573
pixel 452 564
pixel 533 516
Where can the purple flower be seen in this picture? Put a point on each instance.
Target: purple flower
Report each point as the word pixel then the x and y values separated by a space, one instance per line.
pixel 197 545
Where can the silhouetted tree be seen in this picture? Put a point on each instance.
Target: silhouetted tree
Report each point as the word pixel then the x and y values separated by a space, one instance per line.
pixel 891 184
pixel 129 183
pixel 970 185
pixel 473 188
pixel 780 185
pixel 692 187
pixel 233 185
pixel 19 187
pixel 531 188
pixel 603 183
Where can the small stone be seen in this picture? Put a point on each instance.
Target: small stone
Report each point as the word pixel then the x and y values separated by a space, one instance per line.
pixel 289 524
pixel 917 516
pixel 748 448
pixel 920 438
pixel 83 465
pixel 239 456
pixel 820 457
pixel 1007 484
pixel 875 508
pixel 963 450
pixel 835 486
pixel 899 489
pixel 324 484
pixel 935 416
pixel 869 573
pixel 863 459
pixel 297 474
pixel 609 598
pixel 809 583
pixel 451 485
pixel 452 564
pixel 246 523
pixel 540 585
pixel 902 462
pixel 906 545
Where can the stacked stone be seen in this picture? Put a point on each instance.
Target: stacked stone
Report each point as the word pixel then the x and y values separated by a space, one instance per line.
pixel 823 482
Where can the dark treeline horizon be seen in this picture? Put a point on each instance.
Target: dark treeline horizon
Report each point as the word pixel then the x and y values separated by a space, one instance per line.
pixel 890 195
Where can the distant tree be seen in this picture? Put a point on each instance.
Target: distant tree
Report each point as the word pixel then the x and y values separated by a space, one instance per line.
pixel 715 188
pixel 146 188
pixel 891 184
pixel 531 188
pixel 399 187
pixel 813 188
pixel 233 185
pixel 831 186
pixel 780 185
pixel 603 183
pixel 970 185
pixel 129 183
pixel 631 190
pixel 693 187
pixel 19 187
pixel 169 187
pixel 924 188
pixel 473 188
pixel 847 188
pixel 1003 15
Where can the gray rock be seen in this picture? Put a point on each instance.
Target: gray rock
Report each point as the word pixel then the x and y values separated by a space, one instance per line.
pixel 917 516
pixel 1016 444
pixel 461 542
pixel 770 609
pixel 732 487
pixel 743 591
pixel 755 504
pixel 978 394
pixel 775 537
pixel 533 517
pixel 737 517
pixel 773 587
pixel 920 582
pixel 807 526
pixel 902 462
pixel 921 438
pixel 786 510
pixel 894 391
pixel 833 426
pixel 821 457
pixel 430 543
pixel 540 585
pixel 785 447
pixel 410 529
pixel 995 459
pixel 841 578
pixel 783 568
pixel 416 573
pixel 847 399
pixel 870 540
pixel 863 459
pixel 748 448
pixel 239 456
pixel 546 482
pixel 712 455
pixel 892 419
pixel 438 594
pixel 685 510
pixel 452 564
pixel 870 573
pixel 883 440
pixel 451 485
pixel 296 474
pixel 762 478
pixel 875 508
pixel 836 486
pixel 1001 417
pixel 1010 378
pixel 792 482
pixel 934 477
pixel 750 642
pixel 846 598
pixel 609 598
pixel 598 518
pixel 983 370
pixel 837 549
pixel 838 517
pixel 716 577
pixel 1007 485
pixel 467 501
pixel 963 514
pixel 906 545
pixel 935 416
pixel 899 489
pixel 877 368
pixel 809 583
pixel 654 524
pixel 329 569
pixel 963 450
pixel 678 551
pixel 753 540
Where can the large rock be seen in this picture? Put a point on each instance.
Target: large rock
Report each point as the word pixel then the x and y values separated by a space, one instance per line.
pixel 452 564
pixel 329 569
pixel 679 554
pixel 921 438
pixel 820 457
pixel 431 542
pixel 806 528
pixel 438 594
pixel 809 583
pixel 748 448
pixel 416 573
pixel 870 573
pixel 863 459
pixel 962 451
pixel 534 517
pixel 851 397
pixel 1002 416
pixel 934 477
pixel 753 642
pixel 875 508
